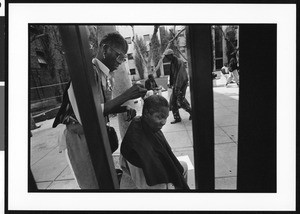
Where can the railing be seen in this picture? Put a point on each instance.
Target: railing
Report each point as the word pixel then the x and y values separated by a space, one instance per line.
pixel 47 86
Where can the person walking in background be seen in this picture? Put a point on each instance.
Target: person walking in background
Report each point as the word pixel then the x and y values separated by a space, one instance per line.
pixel 178 83
pixel 225 71
pixel 233 69
pixel 146 157
pixel 112 50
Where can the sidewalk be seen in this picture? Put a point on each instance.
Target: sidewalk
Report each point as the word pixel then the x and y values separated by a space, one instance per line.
pixel 51 170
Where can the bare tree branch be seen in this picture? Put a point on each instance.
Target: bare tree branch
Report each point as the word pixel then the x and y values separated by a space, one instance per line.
pixel 169 43
pixel 37 37
pixel 137 47
pixel 175 37
pixel 181 53
pixel 226 37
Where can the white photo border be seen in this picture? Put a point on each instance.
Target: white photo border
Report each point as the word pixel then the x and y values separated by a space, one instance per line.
pixel 20 15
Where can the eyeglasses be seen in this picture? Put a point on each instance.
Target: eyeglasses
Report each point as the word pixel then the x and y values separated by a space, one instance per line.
pixel 121 57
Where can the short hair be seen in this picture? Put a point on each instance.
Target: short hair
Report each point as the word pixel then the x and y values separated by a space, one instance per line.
pixel 114 39
pixel 150 76
pixel 153 103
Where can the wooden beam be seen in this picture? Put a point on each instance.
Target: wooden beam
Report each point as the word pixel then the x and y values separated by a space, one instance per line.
pixel 79 59
pixel 199 43
pixel 257 109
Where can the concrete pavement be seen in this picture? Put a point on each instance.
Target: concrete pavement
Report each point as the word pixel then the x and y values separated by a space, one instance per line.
pixel 51 170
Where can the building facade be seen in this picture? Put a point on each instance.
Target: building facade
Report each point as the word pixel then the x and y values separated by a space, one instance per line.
pixel 144 33
pixel 47 67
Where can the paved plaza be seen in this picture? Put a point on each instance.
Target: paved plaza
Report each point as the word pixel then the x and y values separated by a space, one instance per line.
pixel 51 170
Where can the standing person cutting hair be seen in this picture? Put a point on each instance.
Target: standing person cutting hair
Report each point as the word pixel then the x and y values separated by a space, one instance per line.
pixel 112 51
pixel 146 157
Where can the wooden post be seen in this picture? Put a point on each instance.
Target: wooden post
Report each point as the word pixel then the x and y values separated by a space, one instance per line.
pixel 257 109
pixel 79 59
pixel 199 43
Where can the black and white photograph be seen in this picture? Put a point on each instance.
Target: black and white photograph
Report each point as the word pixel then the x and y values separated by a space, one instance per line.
pixel 138 62
pixel 131 108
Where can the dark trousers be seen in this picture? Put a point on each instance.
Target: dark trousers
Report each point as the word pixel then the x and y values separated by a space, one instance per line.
pixel 178 100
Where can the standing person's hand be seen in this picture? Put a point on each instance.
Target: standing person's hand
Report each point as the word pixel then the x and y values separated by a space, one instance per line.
pixel 136 91
pixel 113 106
pixel 131 113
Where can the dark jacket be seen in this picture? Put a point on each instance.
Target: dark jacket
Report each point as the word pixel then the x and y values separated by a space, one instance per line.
pixel 66 114
pixel 178 73
pixel 150 151
pixel 150 84
pixel 232 65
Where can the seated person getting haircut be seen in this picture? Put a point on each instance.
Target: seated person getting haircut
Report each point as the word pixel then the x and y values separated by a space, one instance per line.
pixel 146 158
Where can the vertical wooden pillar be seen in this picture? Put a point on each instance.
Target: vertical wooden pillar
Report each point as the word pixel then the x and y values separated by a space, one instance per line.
pixel 79 58
pixel 257 109
pixel 199 42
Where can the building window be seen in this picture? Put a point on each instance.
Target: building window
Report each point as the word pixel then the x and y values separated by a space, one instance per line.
pixel 132 71
pixel 128 40
pixel 130 56
pixel 41 59
pixel 147 37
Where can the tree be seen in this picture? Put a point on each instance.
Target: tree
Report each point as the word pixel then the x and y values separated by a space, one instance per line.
pixel 174 44
pixel 144 56
pixel 141 50
pixel 155 49
pixel 231 40
pixel 93 40
pixel 171 40
pixel 164 38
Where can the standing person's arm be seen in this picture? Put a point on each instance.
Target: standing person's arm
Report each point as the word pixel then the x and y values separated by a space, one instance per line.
pixel 114 105
pixel 231 65
pixel 181 76
pixel 171 79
